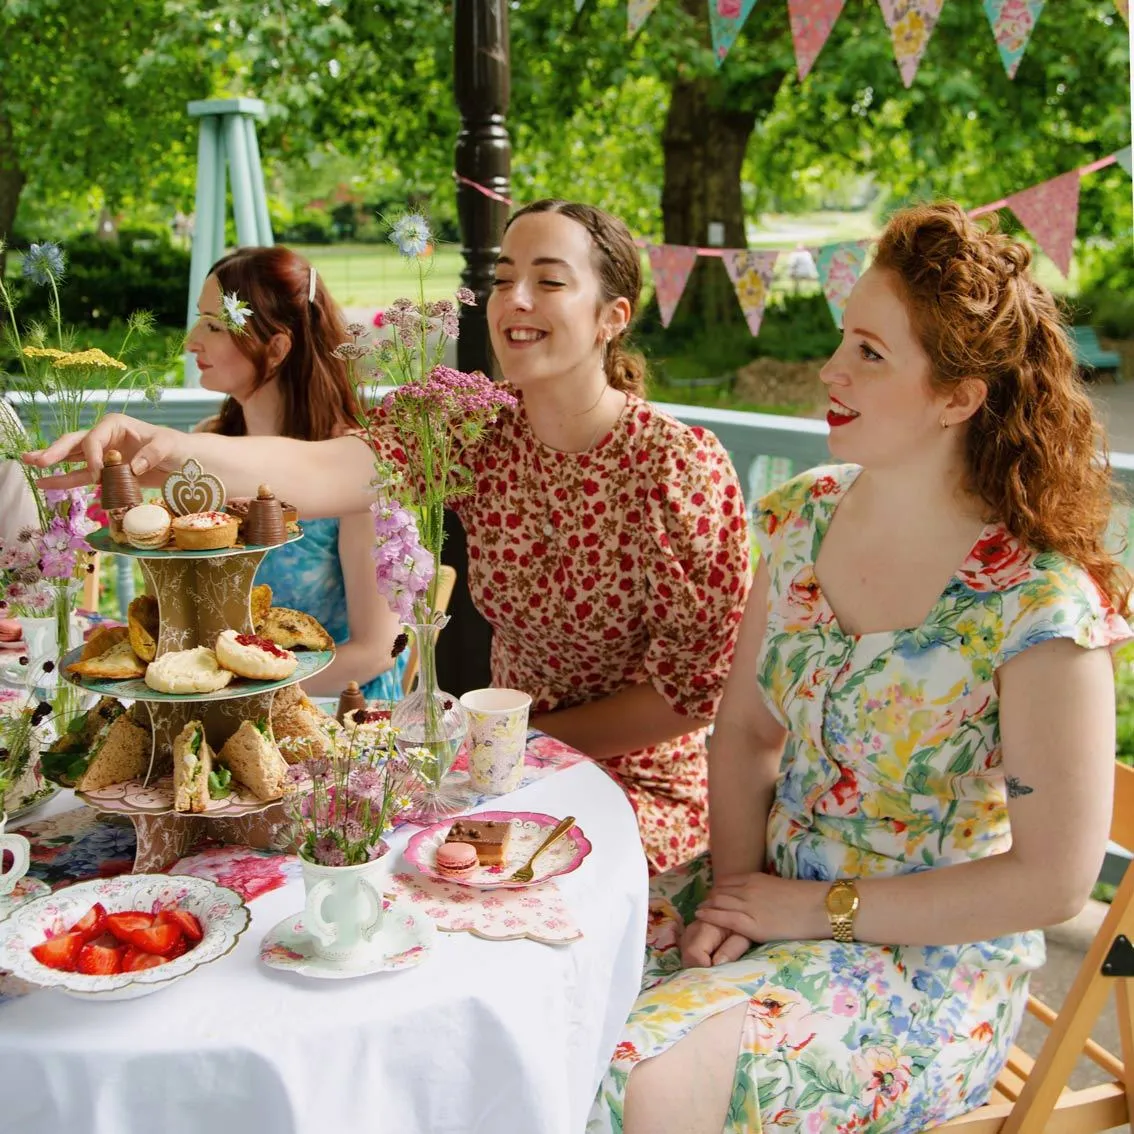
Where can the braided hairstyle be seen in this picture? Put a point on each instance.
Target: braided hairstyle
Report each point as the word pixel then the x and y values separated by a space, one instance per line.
pixel 619 267
pixel 1034 451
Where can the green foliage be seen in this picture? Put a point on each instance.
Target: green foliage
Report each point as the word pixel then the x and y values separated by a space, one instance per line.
pixel 1111 313
pixel 106 280
pixel 1124 697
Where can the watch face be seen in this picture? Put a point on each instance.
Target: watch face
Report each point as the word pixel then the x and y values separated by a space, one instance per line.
pixel 842 901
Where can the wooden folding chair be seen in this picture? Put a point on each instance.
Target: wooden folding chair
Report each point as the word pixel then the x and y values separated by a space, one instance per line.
pixel 1031 1097
pixel 446 581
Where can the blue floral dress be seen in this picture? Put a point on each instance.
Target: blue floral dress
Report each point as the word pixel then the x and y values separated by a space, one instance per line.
pixel 307 575
pixel 892 765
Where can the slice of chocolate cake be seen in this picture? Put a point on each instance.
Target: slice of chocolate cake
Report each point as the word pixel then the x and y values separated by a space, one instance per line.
pixel 488 838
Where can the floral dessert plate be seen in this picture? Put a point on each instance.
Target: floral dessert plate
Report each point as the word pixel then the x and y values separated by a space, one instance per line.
pixel 221 912
pixel 529 829
pixel 24 891
pixel 405 940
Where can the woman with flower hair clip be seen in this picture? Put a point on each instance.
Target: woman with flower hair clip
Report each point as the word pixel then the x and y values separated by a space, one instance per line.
pixel 266 338
pixel 608 545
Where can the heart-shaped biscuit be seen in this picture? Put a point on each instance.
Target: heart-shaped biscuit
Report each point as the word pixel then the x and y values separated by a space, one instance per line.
pixel 193 490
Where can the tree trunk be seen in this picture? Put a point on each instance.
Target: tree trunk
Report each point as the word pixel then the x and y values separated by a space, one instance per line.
pixel 12 181
pixel 704 143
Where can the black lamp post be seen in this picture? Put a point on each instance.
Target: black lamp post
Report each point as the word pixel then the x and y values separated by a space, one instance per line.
pixel 484 155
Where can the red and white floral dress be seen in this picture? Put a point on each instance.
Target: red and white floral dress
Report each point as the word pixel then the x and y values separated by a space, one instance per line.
pixel 624 564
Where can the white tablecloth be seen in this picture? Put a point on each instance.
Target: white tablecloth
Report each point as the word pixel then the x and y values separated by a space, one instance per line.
pixel 485 1037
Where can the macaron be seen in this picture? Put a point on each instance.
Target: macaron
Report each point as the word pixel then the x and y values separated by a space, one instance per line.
pixel 456 860
pixel 146 526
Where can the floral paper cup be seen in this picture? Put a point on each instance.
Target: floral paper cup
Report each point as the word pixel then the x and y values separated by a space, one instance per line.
pixel 498 731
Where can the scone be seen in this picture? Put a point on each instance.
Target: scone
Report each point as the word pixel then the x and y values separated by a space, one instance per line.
pixel 187 671
pixel 146 527
pixel 292 629
pixel 142 619
pixel 204 531
pixel 261 602
pixel 253 657
pixel 109 656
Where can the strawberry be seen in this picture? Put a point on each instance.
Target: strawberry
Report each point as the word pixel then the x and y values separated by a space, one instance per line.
pixel 123 924
pixel 134 959
pixel 185 921
pixel 100 960
pixel 59 952
pixel 160 939
pixel 92 923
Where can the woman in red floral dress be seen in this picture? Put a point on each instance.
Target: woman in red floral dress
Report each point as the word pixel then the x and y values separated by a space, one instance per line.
pixel 608 545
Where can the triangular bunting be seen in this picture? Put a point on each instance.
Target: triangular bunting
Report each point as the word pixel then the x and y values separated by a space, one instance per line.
pixel 1123 159
pixel 637 12
pixel 1050 212
pixel 1012 24
pixel 671 265
pixel 1123 7
pixel 911 23
pixel 811 23
pixel 839 266
pixel 726 18
pixel 751 275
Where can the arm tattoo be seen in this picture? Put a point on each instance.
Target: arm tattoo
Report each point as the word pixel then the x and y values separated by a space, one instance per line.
pixel 1016 788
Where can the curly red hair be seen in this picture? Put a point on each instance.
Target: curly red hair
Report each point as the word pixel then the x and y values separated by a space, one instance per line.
pixel 1035 452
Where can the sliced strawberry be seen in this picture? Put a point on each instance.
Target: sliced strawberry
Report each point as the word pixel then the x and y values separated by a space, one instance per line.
pixel 100 960
pixel 134 959
pixel 92 923
pixel 185 921
pixel 182 946
pixel 61 952
pixel 160 939
pixel 123 924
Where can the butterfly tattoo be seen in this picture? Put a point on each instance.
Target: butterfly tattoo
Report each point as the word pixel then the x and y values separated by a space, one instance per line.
pixel 1016 788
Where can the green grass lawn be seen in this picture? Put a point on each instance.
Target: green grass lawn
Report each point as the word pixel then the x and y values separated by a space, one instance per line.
pixel 374 275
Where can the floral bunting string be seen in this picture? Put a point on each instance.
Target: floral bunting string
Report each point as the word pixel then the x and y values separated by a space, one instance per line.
pixel 1050 212
pixel 911 23
pixel 811 24
pixel 637 13
pixel 839 266
pixel 726 18
pixel 751 275
pixel 1012 24
pixel 671 265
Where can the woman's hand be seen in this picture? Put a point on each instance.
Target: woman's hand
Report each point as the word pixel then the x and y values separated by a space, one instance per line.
pixel 150 450
pixel 762 907
pixel 704 945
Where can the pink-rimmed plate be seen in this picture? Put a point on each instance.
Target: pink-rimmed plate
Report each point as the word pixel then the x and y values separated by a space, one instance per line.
pixel 529 829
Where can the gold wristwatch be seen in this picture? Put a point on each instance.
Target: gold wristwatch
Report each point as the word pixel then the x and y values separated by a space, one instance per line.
pixel 842 905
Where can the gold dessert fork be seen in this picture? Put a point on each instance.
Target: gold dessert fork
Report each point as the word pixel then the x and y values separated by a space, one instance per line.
pixel 525 873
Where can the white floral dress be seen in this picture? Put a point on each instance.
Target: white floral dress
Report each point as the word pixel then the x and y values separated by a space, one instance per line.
pixel 892 765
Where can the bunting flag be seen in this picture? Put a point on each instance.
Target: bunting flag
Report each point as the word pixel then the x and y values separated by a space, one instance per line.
pixel 911 23
pixel 726 17
pixel 1012 24
pixel 1123 159
pixel 811 24
pixel 751 275
pixel 671 265
pixel 1050 212
pixel 839 266
pixel 637 12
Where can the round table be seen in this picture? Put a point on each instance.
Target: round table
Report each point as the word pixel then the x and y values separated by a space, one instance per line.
pixel 491 1037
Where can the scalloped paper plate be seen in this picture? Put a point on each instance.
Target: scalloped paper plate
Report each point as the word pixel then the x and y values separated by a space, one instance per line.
pixel 221 912
pixel 529 829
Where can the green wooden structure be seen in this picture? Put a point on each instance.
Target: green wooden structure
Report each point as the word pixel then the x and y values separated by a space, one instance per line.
pixel 1090 355
pixel 227 153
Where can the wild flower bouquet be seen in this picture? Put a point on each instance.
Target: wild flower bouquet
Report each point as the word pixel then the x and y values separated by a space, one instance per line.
pixel 346 801
pixel 22 738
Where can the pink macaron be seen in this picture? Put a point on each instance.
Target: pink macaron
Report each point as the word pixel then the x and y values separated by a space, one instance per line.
pixel 457 860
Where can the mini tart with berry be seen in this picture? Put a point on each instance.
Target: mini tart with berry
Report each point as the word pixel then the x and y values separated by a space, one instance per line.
pixel 253 657
pixel 204 531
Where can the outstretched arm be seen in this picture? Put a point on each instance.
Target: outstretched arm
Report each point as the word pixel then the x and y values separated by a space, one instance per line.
pixel 321 478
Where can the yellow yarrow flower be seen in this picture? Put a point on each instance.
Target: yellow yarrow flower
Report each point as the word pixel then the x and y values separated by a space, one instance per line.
pixel 95 358
pixel 44 352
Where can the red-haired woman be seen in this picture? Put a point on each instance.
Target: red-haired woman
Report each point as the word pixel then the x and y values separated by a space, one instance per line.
pixel 281 379
pixel 911 768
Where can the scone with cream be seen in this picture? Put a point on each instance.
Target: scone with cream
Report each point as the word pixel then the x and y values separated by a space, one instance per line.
pixel 255 658
pixel 187 671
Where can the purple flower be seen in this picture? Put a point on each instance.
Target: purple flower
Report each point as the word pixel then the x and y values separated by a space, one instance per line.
pixel 327 852
pixel 466 296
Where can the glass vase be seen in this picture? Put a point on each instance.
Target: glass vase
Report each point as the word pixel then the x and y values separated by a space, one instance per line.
pixel 433 719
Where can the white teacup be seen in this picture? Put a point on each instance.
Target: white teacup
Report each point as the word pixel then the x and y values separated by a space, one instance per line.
pixel 20 850
pixel 498 733
pixel 343 913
